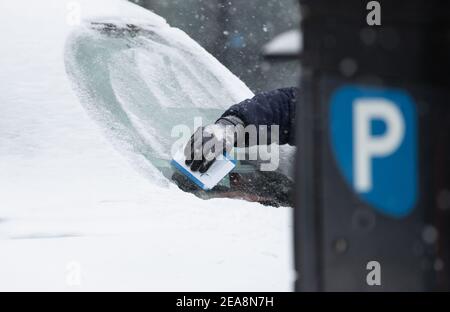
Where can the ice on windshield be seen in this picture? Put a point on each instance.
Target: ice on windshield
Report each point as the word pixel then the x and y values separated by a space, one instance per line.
pixel 137 83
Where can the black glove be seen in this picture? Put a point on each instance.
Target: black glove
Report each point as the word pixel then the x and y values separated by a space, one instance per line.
pixel 208 142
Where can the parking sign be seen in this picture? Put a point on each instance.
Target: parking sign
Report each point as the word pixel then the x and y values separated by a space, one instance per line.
pixel 373 138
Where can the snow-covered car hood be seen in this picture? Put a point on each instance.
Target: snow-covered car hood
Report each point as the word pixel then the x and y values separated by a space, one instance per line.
pixel 69 199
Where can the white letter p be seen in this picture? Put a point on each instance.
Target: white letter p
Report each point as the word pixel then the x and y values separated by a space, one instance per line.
pixel 365 145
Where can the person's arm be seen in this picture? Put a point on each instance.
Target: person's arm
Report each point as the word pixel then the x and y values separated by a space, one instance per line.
pixel 265 109
pixel 268 108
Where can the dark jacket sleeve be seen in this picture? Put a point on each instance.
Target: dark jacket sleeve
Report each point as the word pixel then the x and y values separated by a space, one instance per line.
pixel 269 108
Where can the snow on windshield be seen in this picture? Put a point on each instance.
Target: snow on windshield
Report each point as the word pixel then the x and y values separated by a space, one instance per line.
pixel 139 83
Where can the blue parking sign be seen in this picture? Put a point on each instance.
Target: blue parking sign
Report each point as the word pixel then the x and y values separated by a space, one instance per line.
pixel 374 140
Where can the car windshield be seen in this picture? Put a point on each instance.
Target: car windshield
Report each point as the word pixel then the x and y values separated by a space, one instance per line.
pixel 139 82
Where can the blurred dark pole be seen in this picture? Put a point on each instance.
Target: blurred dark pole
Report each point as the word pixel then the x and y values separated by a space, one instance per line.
pixel 223 20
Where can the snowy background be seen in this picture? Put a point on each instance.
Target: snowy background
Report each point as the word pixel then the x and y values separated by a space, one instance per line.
pixel 75 214
pixel 236 32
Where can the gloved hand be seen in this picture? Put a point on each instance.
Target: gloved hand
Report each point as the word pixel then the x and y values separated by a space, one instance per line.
pixel 208 142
